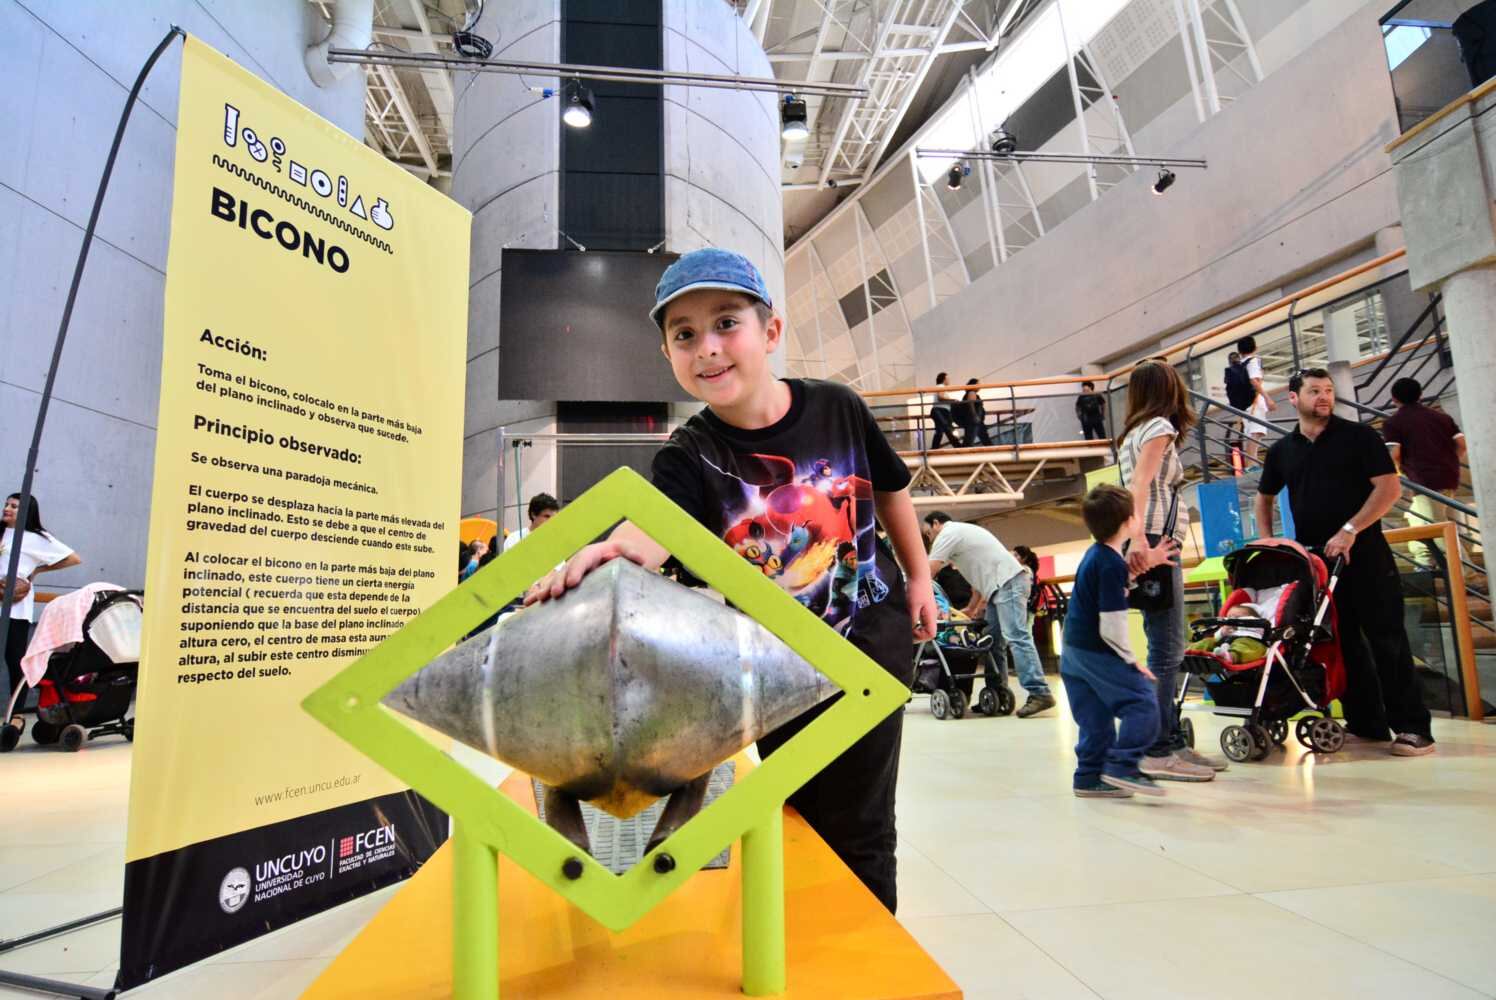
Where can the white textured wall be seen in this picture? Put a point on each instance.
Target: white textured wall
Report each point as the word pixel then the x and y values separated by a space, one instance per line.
pixel 1297 183
pixel 66 66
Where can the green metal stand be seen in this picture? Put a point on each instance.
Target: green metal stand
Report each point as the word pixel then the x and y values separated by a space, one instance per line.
pixel 763 907
pixel 475 917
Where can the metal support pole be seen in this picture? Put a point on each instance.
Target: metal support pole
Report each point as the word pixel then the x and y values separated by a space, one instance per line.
pixel 1207 66
pixel 1080 110
pixel 1189 58
pixel 924 236
pixel 1293 336
pixel 763 907
pixel 475 917
pixel 1205 475
pixel 816 261
pixel 995 237
pixel 1240 27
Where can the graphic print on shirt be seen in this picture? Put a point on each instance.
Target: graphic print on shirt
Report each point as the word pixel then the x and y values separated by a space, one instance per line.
pixel 810 530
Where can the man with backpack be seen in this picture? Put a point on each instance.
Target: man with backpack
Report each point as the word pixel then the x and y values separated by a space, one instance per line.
pixel 1244 392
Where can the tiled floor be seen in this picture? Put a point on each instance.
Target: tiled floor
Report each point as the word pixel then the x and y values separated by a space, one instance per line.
pixel 1356 875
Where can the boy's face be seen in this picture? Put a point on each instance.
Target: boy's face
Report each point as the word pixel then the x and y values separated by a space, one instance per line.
pixel 717 346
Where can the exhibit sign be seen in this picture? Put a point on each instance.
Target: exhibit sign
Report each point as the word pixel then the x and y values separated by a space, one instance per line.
pixel 305 505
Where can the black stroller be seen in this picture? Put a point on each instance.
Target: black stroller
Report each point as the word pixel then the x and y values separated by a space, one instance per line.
pixel 947 666
pixel 88 688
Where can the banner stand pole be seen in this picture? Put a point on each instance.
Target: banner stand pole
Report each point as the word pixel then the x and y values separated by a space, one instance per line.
pixel 72 925
pixel 62 331
pixel 53 986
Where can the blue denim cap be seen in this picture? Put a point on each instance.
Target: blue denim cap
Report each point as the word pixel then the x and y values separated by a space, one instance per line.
pixel 708 268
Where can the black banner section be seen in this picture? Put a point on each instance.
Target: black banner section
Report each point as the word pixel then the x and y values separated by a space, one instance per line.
pixel 187 904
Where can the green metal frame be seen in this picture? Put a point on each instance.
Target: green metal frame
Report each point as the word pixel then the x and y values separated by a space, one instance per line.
pixel 486 822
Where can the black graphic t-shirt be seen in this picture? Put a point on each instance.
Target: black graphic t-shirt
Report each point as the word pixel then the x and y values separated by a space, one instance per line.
pixel 796 500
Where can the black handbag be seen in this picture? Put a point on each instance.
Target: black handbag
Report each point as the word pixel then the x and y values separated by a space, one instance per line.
pixel 1154 590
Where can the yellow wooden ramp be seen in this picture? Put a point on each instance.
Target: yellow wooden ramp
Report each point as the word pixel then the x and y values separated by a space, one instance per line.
pixel 841 942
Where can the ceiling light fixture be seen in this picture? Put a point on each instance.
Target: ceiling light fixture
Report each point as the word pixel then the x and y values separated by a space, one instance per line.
pixel 793 118
pixel 578 113
pixel 1165 180
pixel 1004 143
pixel 953 179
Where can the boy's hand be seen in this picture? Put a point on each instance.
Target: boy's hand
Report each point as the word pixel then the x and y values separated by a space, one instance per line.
pixel 922 611
pixel 586 560
pixel 1142 668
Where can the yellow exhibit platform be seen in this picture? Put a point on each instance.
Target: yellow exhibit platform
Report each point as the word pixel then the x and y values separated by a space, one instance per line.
pixel 841 942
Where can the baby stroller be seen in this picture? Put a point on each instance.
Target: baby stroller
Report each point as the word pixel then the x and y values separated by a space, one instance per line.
pixel 1302 670
pixel 87 690
pixel 947 666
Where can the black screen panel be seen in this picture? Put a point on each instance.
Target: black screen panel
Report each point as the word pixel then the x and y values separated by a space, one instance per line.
pixel 576 326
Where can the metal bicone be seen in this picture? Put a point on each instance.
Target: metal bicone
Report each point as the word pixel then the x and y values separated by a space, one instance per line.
pixel 626 689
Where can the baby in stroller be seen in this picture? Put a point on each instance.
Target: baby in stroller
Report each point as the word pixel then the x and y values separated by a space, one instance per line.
pixel 1241 645
pixel 1298 669
pixel 947 666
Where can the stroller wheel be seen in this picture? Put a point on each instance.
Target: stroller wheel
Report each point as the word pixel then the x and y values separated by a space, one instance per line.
pixel 1005 701
pixel 1277 730
pixel 45 733
pixel 130 730
pixel 10 736
pixel 1326 735
pixel 987 701
pixel 940 704
pixel 958 705
pixel 73 737
pixel 1261 741
pixel 1187 729
pixel 1237 743
pixel 1301 731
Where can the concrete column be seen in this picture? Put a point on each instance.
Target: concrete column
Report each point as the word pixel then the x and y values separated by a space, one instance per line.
pixel 1470 307
pixel 1341 340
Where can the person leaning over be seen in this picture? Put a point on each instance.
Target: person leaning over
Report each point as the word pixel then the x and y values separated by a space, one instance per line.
pixel 818 444
pixel 1000 589
pixel 1341 482
pixel 1105 682
pixel 1158 414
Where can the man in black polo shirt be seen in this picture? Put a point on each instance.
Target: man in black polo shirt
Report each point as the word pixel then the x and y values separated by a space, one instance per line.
pixel 1340 482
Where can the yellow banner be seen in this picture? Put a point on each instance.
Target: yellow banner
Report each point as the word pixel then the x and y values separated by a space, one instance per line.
pixel 308 454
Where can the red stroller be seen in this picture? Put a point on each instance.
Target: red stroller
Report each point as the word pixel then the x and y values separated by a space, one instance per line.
pixel 1303 670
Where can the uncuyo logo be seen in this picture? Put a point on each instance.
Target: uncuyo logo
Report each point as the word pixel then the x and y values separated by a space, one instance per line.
pixel 233 891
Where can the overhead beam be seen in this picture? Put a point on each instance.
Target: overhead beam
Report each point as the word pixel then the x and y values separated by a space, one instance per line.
pixel 407 115
pixel 892 125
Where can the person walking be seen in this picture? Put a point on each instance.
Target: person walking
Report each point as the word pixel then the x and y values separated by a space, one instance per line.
pixel 1158 415
pixel 1261 402
pixel 972 416
pixel 1341 481
pixel 1428 446
pixel 940 413
pixel 1000 589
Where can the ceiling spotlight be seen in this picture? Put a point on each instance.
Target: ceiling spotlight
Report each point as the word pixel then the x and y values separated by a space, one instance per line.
pixel 793 118
pixel 1165 180
pixel 953 179
pixel 1004 143
pixel 578 113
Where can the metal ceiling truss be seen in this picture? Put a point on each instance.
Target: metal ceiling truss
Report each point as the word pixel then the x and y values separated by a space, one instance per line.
pixel 1102 128
pixel 1215 38
pixel 937 240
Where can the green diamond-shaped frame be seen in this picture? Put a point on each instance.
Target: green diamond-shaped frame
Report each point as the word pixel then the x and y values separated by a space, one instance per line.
pixel 349 703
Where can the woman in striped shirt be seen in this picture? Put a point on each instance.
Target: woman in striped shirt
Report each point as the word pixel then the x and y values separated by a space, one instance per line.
pixel 1158 415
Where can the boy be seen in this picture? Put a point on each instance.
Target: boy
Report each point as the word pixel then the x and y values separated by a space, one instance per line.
pixel 1104 681
pixel 795 471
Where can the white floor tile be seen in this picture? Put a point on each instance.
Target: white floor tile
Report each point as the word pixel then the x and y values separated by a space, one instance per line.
pixel 989 960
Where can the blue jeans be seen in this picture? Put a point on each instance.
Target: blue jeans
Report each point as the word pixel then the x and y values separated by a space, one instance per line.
pixel 1008 624
pixel 1103 689
pixel 1165 632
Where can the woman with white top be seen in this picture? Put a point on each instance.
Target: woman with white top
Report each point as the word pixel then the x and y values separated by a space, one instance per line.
pixel 40 553
pixel 1158 415
pixel 941 413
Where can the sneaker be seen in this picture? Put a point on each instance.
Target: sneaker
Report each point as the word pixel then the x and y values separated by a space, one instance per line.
pixel 1098 789
pixel 1174 768
pixel 1036 703
pixel 1192 756
pixel 1411 745
pixel 1138 783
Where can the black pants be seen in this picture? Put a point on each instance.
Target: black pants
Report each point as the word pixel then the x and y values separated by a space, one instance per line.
pixel 850 802
pixel 1381 688
pixel 973 429
pixel 15 649
pixel 1094 428
pixel 942 417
